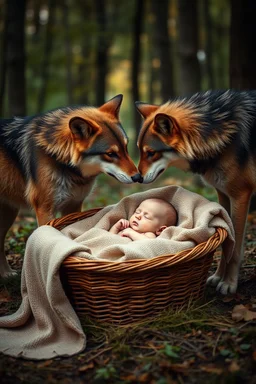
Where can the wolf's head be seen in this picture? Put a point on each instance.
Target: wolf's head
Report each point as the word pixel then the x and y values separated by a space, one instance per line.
pixel 90 139
pixel 185 133
pixel 161 142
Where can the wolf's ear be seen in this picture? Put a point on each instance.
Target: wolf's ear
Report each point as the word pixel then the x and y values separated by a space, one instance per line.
pixel 112 106
pixel 163 124
pixel 81 128
pixel 145 109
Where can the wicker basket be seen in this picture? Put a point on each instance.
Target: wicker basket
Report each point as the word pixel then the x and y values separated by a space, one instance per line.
pixel 130 291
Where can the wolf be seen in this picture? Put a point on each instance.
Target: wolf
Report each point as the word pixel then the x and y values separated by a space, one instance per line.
pixel 50 161
pixel 212 134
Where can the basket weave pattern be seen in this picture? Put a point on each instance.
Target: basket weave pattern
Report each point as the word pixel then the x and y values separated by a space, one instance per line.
pixel 130 291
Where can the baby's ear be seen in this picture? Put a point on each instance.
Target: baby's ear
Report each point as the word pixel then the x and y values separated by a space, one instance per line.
pixel 160 229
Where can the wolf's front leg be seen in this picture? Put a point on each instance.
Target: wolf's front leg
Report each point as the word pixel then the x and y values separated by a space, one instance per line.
pixel 225 279
pixel 239 209
pixel 219 275
pixel 228 284
pixel 7 217
pixel 41 198
pixel 44 211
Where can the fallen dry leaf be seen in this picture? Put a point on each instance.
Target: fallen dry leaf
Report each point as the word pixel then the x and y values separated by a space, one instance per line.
pixel 130 377
pixel 234 297
pixel 228 299
pixel 45 364
pixel 144 378
pixel 241 312
pixel 182 367
pixel 212 369
pixel 85 367
pixel 250 217
pixel 234 367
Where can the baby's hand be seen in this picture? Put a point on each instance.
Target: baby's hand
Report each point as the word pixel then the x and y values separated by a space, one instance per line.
pixel 127 232
pixel 122 224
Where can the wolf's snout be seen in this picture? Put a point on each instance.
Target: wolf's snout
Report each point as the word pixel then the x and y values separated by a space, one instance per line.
pixel 137 178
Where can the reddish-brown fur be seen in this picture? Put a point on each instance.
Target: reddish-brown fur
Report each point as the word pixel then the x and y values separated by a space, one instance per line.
pixel 50 162
pixel 211 133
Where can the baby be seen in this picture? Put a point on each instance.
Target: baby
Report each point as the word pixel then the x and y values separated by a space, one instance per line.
pixel 150 218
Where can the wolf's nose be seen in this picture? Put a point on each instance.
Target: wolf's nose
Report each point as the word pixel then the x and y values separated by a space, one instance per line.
pixel 137 178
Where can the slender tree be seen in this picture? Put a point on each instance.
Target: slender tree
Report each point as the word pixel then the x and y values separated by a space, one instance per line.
pixel 84 76
pixel 3 61
pixel 136 58
pixel 208 44
pixel 189 69
pixel 15 53
pixel 36 4
pixel 151 57
pixel 162 43
pixel 46 55
pixel 102 51
pixel 242 44
pixel 221 28
pixel 68 50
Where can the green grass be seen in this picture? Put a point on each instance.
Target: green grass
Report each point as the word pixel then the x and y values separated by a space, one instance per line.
pixel 197 316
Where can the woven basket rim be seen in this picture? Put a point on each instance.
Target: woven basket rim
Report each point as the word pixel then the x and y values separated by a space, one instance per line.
pixel 125 292
pixel 133 265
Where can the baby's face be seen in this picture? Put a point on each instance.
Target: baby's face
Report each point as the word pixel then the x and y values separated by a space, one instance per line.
pixel 148 217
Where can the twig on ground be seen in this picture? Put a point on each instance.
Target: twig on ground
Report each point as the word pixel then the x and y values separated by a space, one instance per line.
pixel 216 344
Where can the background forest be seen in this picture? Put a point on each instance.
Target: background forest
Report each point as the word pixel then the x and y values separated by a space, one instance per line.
pixel 56 53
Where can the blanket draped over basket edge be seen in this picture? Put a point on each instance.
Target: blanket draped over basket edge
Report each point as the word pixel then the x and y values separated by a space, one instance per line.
pixel 46 325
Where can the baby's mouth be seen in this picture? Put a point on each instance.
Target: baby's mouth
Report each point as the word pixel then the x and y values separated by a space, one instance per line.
pixel 135 223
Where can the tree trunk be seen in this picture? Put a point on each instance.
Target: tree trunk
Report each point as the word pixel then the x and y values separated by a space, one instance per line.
pixel 84 78
pixel 16 57
pixel 208 44
pixel 153 93
pixel 242 44
pixel 189 79
pixel 36 19
pixel 136 59
pixel 46 55
pixel 102 52
pixel 153 82
pixel 68 50
pixel 85 69
pixel 162 42
pixel 3 62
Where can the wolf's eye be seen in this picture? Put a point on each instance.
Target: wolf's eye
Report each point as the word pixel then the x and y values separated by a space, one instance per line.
pixel 150 154
pixel 112 155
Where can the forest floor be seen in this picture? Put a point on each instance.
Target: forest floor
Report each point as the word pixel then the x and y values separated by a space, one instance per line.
pixel 213 341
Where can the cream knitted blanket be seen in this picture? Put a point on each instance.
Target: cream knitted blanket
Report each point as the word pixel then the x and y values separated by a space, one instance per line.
pixel 45 325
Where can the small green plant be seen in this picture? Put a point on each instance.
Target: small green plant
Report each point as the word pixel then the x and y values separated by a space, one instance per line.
pixel 106 373
pixel 16 246
pixel 227 353
pixel 171 350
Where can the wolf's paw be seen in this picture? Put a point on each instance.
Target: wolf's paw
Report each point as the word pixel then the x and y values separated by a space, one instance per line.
pixel 225 287
pixel 8 273
pixel 213 280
